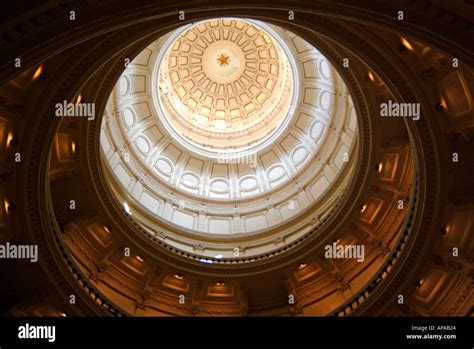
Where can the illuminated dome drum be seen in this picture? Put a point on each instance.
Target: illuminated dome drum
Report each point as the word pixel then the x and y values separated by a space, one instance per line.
pixel 229 137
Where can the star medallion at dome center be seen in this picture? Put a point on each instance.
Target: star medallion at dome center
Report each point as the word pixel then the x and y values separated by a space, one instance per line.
pixel 223 59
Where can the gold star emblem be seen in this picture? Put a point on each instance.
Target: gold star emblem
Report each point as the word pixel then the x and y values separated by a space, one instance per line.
pixel 223 59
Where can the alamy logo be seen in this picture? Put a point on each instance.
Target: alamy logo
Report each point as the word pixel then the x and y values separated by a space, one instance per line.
pixel 76 110
pixel 10 251
pixel 37 332
pixel 392 108
pixel 345 251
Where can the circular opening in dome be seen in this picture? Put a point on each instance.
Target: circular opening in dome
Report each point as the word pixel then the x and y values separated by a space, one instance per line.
pixel 225 86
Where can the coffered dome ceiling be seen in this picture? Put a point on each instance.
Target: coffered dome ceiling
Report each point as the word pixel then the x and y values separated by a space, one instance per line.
pixel 224 85
pixel 220 133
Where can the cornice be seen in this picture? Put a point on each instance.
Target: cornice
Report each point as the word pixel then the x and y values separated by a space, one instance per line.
pixel 422 19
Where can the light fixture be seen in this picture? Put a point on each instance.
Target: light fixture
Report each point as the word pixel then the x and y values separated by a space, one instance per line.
pixel 6 205
pixel 127 209
pixel 220 124
pixel 73 147
pixel 107 229
pixel 201 119
pixel 370 76
pixel 379 167
pixel 363 208
pixel 442 104
pixel 9 138
pixel 219 256
pixel 79 99
pixel 140 258
pixel 406 44
pixel 420 282
pixel 219 283
pixel 37 73
pixel 178 276
pixel 179 105
pixel 301 266
pixel 445 230
pixel 63 315
pixel 206 261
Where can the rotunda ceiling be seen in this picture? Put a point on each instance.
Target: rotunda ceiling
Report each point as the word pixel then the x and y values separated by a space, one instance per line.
pixel 207 178
pixel 225 85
